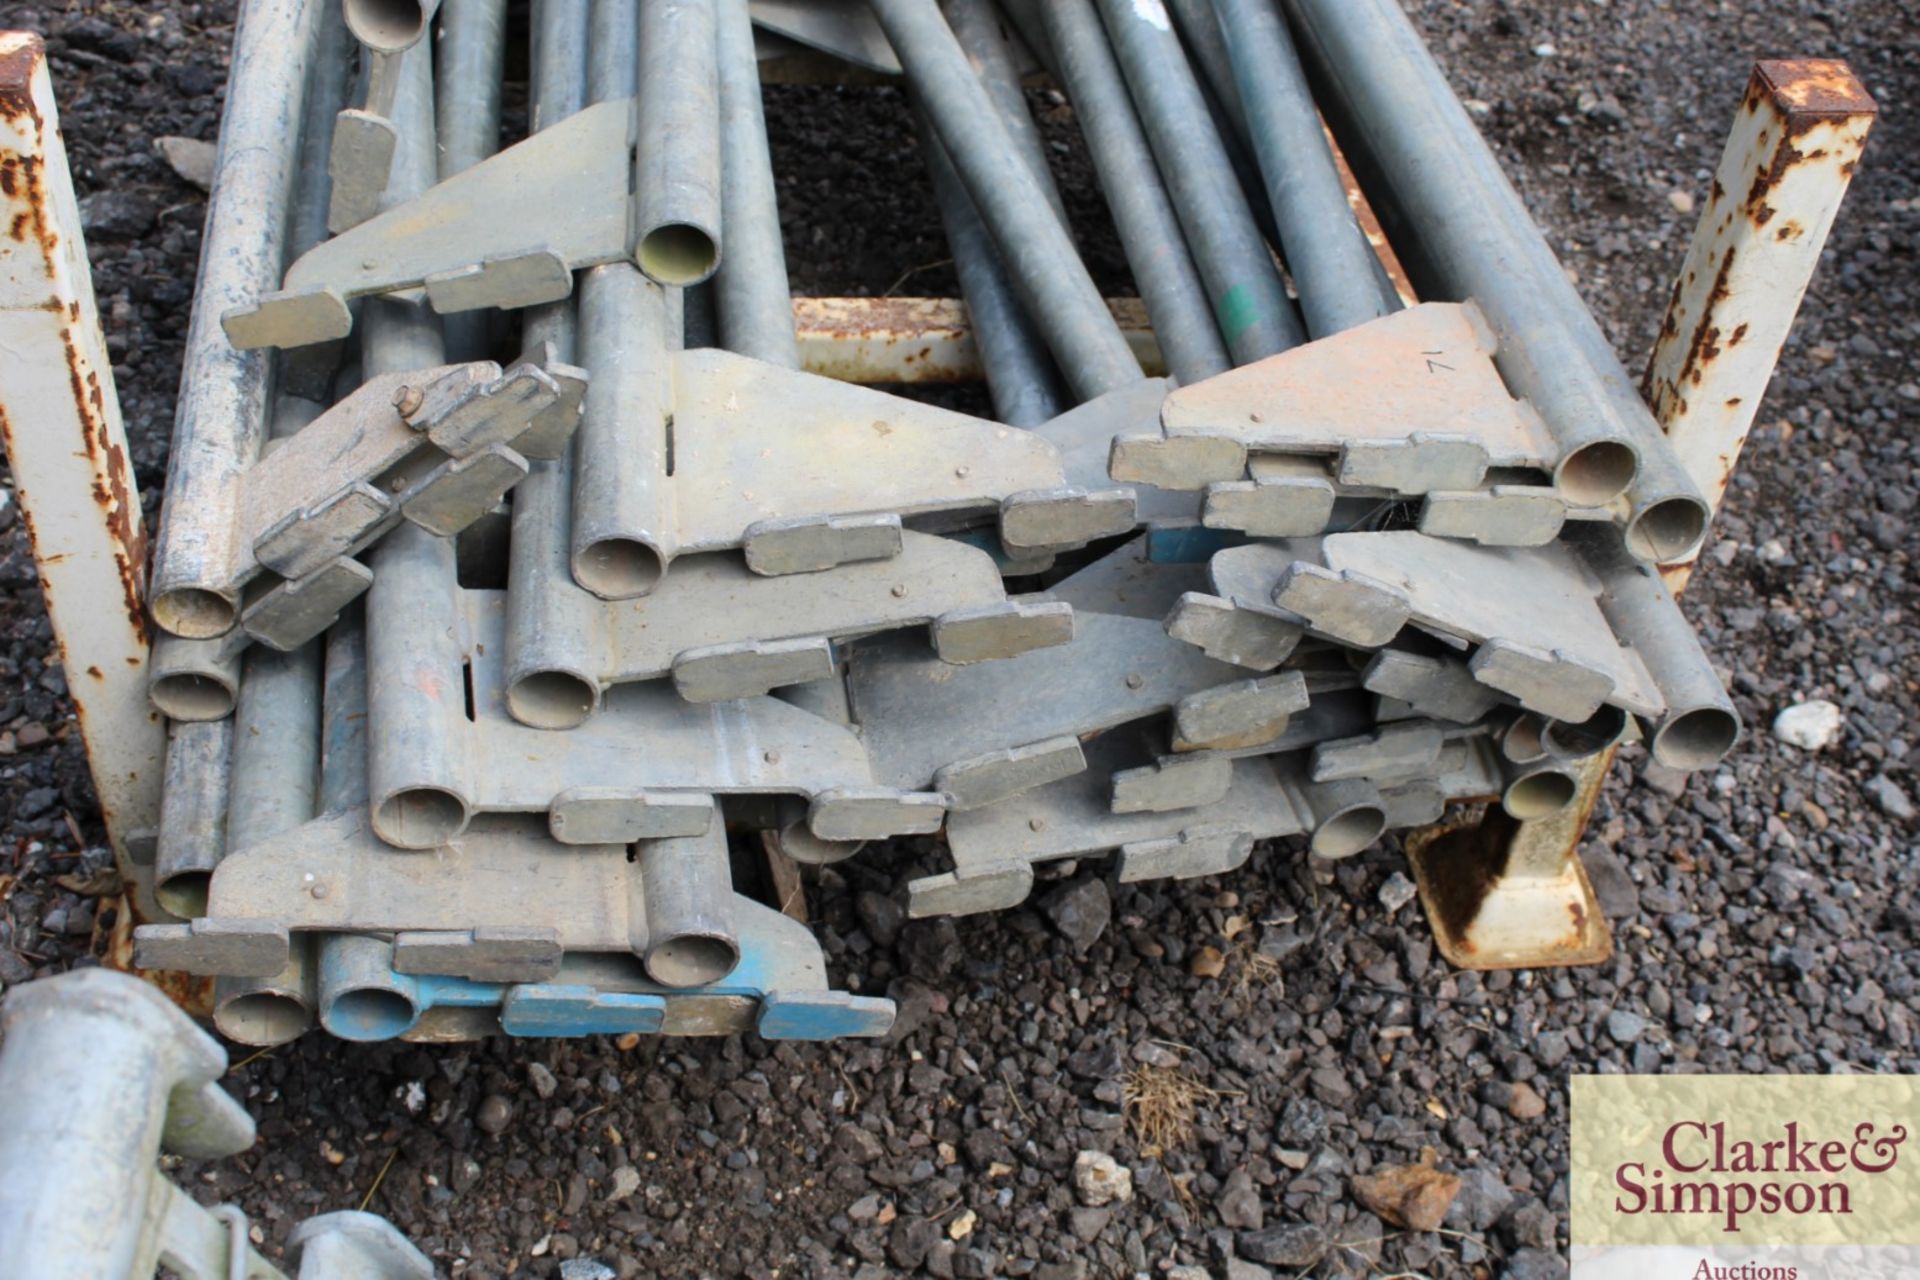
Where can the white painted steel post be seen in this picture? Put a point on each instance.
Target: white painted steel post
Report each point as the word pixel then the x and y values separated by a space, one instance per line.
pixel 1520 897
pixel 1789 159
pixel 60 417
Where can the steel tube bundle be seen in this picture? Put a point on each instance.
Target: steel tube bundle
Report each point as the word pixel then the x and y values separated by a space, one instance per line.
pixel 755 311
pixel 548 613
pixel 1250 304
pixel 679 580
pixel 621 507
pixel 1465 233
pixel 1020 375
pixel 359 996
pixel 691 937
pixel 221 419
pixel 1144 217
pixel 677 210
pixel 1332 264
pixel 1038 252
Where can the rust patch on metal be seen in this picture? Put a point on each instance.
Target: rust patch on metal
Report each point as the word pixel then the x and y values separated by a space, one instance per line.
pixel 1369 221
pixel 112 485
pixel 20 53
pixel 1705 345
pixel 20 180
pixel 1814 86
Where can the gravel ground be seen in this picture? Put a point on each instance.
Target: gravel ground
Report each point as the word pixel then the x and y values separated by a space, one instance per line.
pixel 1763 912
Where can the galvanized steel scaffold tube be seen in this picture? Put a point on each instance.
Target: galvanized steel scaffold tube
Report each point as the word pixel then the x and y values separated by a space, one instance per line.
pixel 515 641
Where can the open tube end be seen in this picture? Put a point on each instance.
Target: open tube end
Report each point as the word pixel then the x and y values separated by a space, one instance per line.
pixel 1577 741
pixel 1596 474
pixel 192 696
pixel 1539 795
pixel 368 1014
pixel 1666 531
pixel 800 844
pixel 551 700
pixel 677 254
pixel 1696 739
pixel 1349 831
pixel 194 613
pixel 692 960
pixel 184 893
pixel 420 817
pixel 1521 741
pixel 619 568
pixel 388 26
pixel 263 1018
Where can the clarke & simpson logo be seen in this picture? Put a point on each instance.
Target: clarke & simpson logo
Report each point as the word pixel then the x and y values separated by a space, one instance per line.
pixel 1744 1177
pixel 1702 1170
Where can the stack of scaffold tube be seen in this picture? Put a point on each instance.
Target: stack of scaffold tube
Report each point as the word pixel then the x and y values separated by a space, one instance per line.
pixel 520 595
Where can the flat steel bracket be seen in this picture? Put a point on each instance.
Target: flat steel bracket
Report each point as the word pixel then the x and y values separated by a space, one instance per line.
pixel 1531 616
pixel 722 631
pixel 646 767
pixel 437 447
pixel 923 723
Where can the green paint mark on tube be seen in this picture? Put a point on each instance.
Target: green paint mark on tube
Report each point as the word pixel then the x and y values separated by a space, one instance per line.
pixel 1238 312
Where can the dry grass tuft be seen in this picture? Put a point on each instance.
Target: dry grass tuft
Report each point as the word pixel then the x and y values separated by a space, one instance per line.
pixel 1160 1102
pixel 1253 970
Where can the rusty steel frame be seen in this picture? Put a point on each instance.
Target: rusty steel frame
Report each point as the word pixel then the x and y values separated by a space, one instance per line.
pixel 1507 894
pixel 60 418
pixel 1499 892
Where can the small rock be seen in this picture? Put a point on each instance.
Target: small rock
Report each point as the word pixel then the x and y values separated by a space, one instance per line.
pixel 1291 1244
pixel 912 1238
pixel 463 1171
pixel 1483 1197
pixel 541 1079
pixel 1397 892
pixel 1671 783
pixel 1681 201
pixel 962 1227
pixel 626 1181
pixel 1532 1225
pixel 190 158
pixel 1154 1054
pixel 1238 1203
pixel 495 1114
pixel 31 735
pixel 1099 1179
pixel 1188 1273
pixel 1809 725
pixel 587 1269
pixel 1207 962
pixel 1526 1103
pixel 1618 896
pixel 930 949
pixel 1886 793
pixel 881 916
pixel 1415 1196
pixel 1087 1224
pixel 1081 912
pixel 857 1145
pixel 1239 1269
pixel 114 213
pixel 1625 1026
pixel 1534 1264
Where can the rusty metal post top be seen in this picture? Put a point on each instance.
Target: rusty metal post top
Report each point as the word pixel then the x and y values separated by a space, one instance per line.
pixel 1812 87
